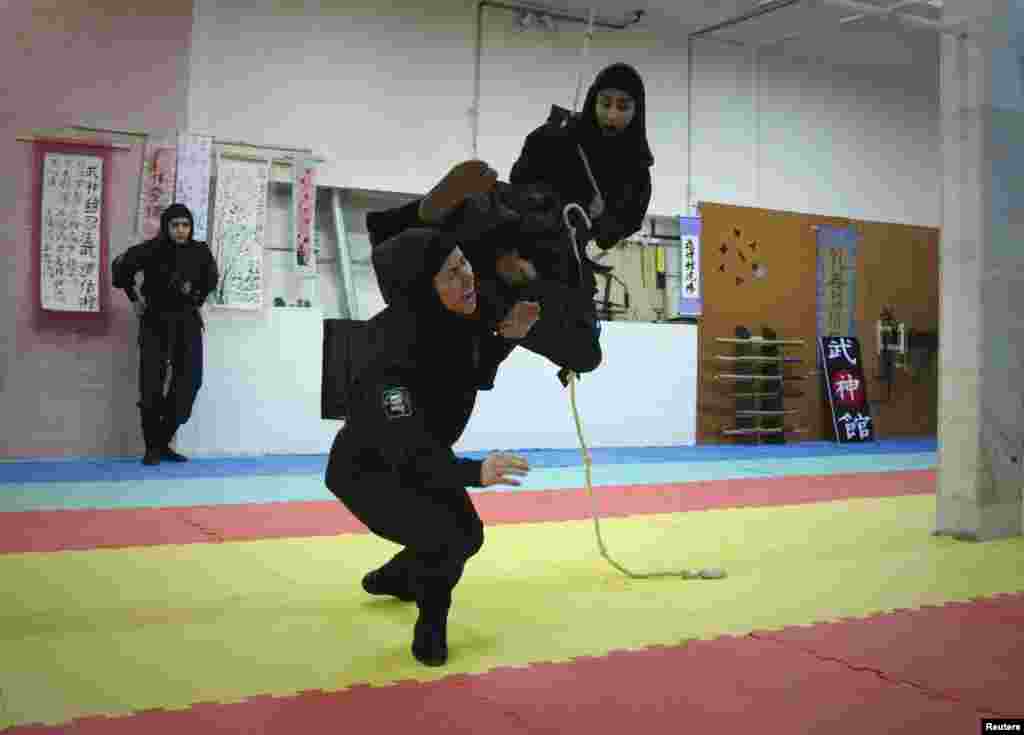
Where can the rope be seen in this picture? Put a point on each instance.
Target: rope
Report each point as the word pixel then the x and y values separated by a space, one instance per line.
pixel 584 55
pixel 570 207
pixel 583 58
pixel 599 197
pixel 585 452
pixel 684 573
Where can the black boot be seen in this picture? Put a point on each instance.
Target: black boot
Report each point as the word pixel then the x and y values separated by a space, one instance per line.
pixel 555 258
pixel 393 578
pixel 560 254
pixel 169 430
pixel 171 456
pixel 483 214
pixel 383 225
pixel 153 434
pixel 464 180
pixel 538 208
pixel 433 587
pixel 430 637
pixel 380 582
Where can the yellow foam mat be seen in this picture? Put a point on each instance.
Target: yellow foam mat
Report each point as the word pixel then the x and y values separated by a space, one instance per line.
pixel 116 631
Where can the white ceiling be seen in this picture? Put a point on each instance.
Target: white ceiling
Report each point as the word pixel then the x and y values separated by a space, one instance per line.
pixel 823 30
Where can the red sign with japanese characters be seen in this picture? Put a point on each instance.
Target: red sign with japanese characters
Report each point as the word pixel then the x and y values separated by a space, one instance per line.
pixel 844 380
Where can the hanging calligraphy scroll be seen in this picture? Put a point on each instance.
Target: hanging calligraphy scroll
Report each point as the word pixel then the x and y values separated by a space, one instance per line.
pixel 691 303
pixel 847 394
pixel 239 231
pixel 72 242
pixel 304 216
pixel 159 162
pixel 192 187
pixel 837 269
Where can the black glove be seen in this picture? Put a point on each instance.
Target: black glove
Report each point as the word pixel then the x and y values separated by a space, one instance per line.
pixel 607 232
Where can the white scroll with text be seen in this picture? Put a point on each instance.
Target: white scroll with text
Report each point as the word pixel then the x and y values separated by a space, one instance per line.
pixel 192 187
pixel 70 235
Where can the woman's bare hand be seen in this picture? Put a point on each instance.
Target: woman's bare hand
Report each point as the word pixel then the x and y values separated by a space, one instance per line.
pixel 519 320
pixel 500 468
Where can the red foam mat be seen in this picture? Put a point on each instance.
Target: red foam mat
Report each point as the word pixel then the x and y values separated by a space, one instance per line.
pixel 765 683
pixel 85 529
pixel 276 520
pixel 618 501
pixel 66 530
pixel 972 652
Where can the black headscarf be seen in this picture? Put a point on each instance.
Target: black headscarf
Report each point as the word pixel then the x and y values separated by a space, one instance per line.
pixel 442 341
pixel 612 156
pixel 173 212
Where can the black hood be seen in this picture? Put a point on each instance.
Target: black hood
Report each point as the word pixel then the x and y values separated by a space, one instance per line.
pixel 406 265
pixel 440 342
pixel 630 147
pixel 176 211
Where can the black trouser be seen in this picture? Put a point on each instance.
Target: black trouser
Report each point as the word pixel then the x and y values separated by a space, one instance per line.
pixel 172 340
pixel 439 528
pixel 568 330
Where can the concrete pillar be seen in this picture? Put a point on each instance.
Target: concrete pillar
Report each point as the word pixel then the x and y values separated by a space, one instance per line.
pixel 981 271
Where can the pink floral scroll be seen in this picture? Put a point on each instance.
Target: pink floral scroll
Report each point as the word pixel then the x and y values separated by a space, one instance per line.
pixel 304 216
pixel 159 167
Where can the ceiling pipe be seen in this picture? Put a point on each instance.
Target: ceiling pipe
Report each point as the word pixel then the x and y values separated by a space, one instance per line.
pixel 763 9
pixel 864 9
pixel 562 15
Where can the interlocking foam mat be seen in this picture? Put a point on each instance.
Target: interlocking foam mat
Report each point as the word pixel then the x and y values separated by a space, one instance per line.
pixel 195 627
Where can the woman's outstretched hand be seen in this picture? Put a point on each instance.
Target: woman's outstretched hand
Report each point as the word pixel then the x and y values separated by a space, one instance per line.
pixel 501 468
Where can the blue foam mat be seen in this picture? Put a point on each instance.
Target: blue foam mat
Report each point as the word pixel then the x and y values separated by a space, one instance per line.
pixel 131 470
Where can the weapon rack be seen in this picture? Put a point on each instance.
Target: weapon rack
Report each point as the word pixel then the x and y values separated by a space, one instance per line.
pixel 755 373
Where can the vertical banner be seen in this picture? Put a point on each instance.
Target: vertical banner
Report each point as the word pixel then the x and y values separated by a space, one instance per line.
pixel 837 270
pixel 192 187
pixel 239 231
pixel 847 394
pixel 304 216
pixel 71 238
pixel 691 303
pixel 159 162
pixel 660 277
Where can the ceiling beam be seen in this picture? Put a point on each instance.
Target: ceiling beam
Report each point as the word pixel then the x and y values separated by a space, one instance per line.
pixel 898 6
pixel 561 15
pixel 889 11
pixel 763 9
pixel 893 12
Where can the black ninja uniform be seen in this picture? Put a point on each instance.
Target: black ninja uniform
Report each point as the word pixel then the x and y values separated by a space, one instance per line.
pixel 526 216
pixel 620 164
pixel 410 391
pixel 171 328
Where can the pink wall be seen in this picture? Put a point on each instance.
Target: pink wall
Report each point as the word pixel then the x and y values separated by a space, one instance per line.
pixel 100 63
